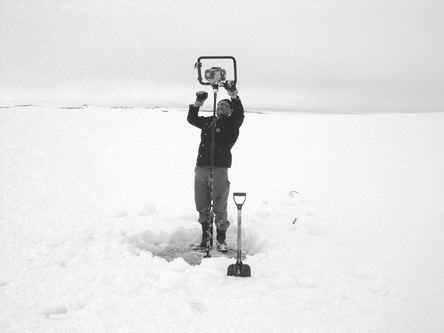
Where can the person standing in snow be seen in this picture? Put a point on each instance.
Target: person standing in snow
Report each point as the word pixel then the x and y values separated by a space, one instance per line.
pixel 229 118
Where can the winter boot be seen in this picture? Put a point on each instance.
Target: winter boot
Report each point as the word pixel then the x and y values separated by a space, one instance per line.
pixel 221 244
pixel 207 231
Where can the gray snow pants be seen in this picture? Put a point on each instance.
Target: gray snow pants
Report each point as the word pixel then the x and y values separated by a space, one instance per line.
pixel 202 195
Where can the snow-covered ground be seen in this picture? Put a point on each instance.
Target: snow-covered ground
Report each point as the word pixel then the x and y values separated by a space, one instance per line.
pixel 343 223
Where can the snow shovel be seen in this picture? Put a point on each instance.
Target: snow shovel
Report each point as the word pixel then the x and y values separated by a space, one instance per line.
pixel 239 269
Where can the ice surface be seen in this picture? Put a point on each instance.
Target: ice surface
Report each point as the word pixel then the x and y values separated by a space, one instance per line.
pixel 342 223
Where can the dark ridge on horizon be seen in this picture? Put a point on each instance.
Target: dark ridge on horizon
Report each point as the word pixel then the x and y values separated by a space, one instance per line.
pixel 251 110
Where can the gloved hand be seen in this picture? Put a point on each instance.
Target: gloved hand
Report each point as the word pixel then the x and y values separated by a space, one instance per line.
pixel 201 96
pixel 230 85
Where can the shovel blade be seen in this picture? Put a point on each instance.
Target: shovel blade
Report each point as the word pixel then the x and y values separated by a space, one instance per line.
pixel 241 270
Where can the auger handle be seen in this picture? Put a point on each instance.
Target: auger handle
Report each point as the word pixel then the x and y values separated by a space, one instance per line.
pixel 239 199
pixel 198 65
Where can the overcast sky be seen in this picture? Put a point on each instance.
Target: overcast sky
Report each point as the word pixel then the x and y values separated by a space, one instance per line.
pixel 315 54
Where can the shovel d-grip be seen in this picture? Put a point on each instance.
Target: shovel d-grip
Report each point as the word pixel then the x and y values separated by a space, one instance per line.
pixel 239 268
pixel 239 199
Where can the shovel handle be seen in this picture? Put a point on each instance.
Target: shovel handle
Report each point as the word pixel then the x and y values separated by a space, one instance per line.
pixel 239 199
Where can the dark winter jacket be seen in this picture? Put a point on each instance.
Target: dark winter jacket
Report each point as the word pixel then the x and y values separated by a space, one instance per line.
pixel 227 132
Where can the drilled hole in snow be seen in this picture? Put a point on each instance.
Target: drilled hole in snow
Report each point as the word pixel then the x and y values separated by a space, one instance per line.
pixel 178 244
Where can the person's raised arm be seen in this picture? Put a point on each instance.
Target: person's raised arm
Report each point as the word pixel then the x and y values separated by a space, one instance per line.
pixel 237 117
pixel 193 110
